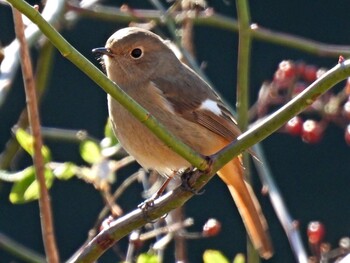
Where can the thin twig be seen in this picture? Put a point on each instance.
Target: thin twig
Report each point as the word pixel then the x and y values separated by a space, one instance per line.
pixel 106 209
pixel 210 18
pixel 170 228
pixel 8 68
pixel 19 250
pixel 67 135
pixel 32 107
pixel 279 206
pixel 171 24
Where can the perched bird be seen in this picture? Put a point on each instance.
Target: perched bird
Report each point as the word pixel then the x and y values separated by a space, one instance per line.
pixel 143 65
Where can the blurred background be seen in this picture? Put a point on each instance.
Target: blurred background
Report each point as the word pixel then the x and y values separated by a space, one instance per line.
pixel 313 178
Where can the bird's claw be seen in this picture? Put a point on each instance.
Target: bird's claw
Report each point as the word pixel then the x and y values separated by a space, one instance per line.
pixel 185 177
pixel 148 203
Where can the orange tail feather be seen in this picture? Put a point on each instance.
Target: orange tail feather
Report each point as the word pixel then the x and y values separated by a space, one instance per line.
pixel 248 206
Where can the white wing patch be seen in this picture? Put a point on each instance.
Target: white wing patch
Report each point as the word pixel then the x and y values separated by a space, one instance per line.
pixel 210 105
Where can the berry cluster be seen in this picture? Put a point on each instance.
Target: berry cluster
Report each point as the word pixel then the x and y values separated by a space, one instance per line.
pixel 320 250
pixel 290 79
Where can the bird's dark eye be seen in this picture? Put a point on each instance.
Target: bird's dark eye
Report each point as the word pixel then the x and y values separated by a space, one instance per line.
pixel 136 53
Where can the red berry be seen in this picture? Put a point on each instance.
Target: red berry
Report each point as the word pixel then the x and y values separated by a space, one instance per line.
pixel 315 232
pixel 312 132
pixel 310 73
pixel 288 68
pixel 211 228
pixel 294 126
pixel 298 88
pixel 300 68
pixel 347 134
pixel 285 73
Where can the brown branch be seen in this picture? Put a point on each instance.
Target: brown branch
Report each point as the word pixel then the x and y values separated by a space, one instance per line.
pixel 33 114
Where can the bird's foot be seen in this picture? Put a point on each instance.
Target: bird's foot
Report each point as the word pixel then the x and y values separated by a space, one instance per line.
pixel 149 202
pixel 185 181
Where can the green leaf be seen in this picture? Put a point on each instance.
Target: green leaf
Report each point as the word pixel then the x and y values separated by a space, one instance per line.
pixel 147 258
pixel 65 171
pixel 109 133
pixel 27 189
pixel 90 151
pixel 26 141
pixel 214 256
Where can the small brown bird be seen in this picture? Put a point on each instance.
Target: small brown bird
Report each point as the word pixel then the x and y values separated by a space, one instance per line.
pixel 143 65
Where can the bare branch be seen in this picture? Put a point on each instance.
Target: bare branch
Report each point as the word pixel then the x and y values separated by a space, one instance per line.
pixel 32 108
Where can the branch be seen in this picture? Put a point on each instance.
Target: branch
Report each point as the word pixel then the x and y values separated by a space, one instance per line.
pixel 33 114
pixel 138 218
pixel 288 224
pixel 210 18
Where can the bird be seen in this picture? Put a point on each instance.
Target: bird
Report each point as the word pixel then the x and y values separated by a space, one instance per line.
pixel 143 65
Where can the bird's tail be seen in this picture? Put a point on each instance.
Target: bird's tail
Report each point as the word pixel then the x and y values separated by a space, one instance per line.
pixel 248 206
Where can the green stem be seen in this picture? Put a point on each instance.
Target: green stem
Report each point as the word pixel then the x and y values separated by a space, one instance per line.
pixel 300 43
pixel 110 87
pixel 243 67
pixel 19 250
pixel 243 63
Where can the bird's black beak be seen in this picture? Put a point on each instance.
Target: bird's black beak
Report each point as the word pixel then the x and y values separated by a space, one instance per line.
pixel 101 51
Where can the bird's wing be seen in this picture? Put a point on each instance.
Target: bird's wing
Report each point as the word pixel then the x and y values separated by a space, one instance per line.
pixel 194 100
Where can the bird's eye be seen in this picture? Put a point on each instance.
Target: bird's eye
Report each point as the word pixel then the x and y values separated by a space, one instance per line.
pixel 136 53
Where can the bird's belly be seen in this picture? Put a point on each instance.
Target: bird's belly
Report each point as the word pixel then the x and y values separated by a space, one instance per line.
pixel 152 153
pixel 143 145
